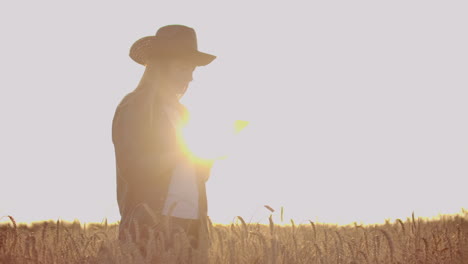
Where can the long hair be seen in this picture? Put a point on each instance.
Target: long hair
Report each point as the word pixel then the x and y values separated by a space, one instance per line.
pixel 156 71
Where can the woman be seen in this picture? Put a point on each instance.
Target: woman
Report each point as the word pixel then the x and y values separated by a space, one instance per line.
pixel 156 178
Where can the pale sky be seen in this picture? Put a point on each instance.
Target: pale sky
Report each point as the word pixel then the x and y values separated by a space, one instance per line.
pixel 357 109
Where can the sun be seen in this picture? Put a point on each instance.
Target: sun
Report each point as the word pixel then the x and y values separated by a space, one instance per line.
pixel 210 138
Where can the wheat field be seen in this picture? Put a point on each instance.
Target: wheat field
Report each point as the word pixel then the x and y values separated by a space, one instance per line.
pixel 413 240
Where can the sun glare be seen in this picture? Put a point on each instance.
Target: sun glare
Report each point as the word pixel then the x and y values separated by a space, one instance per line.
pixel 211 139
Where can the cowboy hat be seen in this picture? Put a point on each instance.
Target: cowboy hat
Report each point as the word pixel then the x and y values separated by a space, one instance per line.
pixel 170 41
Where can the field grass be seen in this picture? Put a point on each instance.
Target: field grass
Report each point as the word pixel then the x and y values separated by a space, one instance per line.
pixel 413 240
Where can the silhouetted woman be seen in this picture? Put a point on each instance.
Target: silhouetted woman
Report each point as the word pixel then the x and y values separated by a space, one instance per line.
pixel 155 177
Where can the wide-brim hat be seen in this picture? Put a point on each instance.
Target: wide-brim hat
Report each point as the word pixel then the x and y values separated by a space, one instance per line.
pixel 170 41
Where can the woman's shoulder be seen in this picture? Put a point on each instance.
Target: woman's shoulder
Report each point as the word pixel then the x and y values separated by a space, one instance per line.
pixel 139 100
pixel 134 107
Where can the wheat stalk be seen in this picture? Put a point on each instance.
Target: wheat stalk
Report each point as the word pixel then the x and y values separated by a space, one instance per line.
pixel 313 228
pixel 390 244
pixel 402 225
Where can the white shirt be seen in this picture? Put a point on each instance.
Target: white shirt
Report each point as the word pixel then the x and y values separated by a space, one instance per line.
pixel 183 189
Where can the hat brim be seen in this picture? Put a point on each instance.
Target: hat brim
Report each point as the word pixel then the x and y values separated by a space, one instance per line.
pixel 142 48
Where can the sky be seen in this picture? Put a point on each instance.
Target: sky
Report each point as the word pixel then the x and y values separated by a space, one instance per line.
pixel 357 109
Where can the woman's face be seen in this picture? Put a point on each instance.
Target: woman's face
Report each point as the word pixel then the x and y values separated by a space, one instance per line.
pixel 179 75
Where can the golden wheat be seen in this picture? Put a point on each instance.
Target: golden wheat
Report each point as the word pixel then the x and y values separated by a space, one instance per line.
pixel 427 241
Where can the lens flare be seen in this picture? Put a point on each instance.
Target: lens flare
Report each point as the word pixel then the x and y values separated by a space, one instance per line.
pixel 211 139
